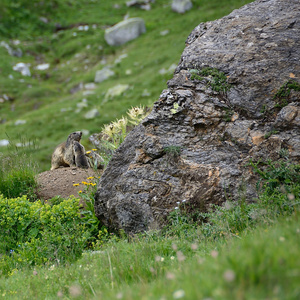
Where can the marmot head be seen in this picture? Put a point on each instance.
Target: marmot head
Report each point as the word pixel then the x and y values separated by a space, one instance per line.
pixel 75 136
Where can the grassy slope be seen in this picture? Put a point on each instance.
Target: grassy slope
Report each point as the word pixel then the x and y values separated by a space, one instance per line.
pixel 261 264
pixel 73 59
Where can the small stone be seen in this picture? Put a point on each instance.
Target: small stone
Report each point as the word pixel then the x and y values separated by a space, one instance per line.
pixel 4 143
pixel 93 113
pixel 20 122
pixel 181 6
pixel 164 32
pixel 103 74
pixel 42 67
pixel 22 68
pixel 117 90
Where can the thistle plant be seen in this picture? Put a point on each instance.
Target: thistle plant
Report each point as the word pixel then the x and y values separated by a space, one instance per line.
pixel 113 134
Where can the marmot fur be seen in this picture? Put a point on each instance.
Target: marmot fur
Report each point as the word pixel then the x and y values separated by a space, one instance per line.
pixel 63 154
pixel 79 155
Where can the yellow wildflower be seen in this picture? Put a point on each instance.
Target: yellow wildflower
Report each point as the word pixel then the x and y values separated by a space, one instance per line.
pixel 88 152
pixel 76 184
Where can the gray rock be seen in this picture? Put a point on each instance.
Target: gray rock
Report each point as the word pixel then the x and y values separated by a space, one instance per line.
pixel 143 4
pixel 20 122
pixel 90 86
pixel 42 67
pixel 197 141
pixel 125 31
pixel 92 114
pixel 4 143
pixel 22 68
pixel 11 51
pixel 115 91
pixel 181 6
pixel 103 74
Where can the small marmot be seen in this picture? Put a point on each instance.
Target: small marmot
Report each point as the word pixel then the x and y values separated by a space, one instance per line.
pixel 63 154
pixel 79 155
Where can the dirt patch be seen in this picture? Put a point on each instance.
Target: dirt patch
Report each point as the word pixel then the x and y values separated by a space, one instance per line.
pixel 60 182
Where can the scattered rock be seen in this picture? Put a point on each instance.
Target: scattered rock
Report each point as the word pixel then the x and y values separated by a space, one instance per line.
pixel 44 20
pixel 22 68
pixel 103 74
pixel 143 4
pixel 120 58
pixel 181 6
pixel 125 31
pixel 164 32
pixel 170 70
pixel 90 86
pixel 93 113
pixel 115 91
pixel 4 143
pixel 197 141
pixel 78 87
pixel 42 67
pixel 13 52
pixel 20 122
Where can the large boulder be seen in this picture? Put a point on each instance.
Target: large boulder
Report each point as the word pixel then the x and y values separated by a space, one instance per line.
pixel 221 109
pixel 124 31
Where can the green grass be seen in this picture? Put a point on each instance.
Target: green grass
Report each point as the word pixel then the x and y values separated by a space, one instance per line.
pixel 262 264
pixel 235 251
pixel 40 98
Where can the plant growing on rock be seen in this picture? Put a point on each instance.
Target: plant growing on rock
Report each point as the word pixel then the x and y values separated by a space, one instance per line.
pixel 113 134
pixel 216 79
pixel 282 97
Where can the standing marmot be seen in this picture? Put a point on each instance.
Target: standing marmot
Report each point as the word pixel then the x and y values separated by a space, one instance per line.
pixel 79 155
pixel 63 154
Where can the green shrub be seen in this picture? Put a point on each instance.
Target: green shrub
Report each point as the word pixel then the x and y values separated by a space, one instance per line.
pixel 34 233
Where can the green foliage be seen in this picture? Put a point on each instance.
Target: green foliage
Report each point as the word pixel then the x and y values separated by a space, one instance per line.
pixel 268 134
pixel 23 18
pixel 283 94
pixel 228 114
pixel 35 233
pixel 173 150
pixel 174 110
pixel 216 79
pixel 113 134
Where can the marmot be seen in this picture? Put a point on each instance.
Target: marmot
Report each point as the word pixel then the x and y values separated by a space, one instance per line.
pixel 79 155
pixel 63 154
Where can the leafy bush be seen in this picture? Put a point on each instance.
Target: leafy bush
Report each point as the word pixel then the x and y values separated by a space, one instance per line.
pixel 34 233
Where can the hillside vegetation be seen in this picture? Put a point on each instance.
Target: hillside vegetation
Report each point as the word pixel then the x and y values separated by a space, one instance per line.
pixel 58 249
pixel 69 36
